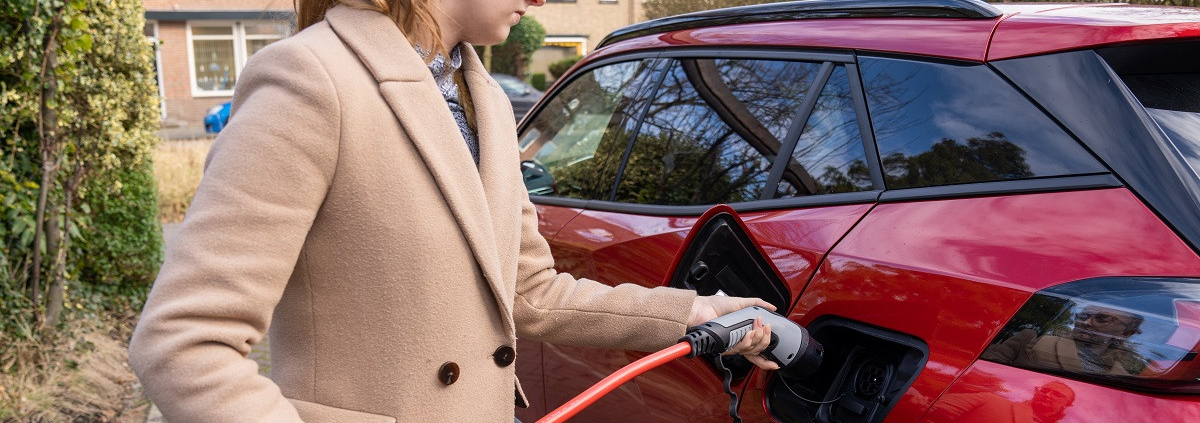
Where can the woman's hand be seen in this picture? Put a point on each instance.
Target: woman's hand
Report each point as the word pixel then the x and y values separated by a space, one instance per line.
pixel 711 307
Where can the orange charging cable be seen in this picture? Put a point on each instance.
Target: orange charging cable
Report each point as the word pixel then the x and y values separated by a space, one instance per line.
pixel 627 373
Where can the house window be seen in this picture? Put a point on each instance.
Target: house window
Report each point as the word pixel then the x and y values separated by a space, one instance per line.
pixel 151 32
pixel 219 50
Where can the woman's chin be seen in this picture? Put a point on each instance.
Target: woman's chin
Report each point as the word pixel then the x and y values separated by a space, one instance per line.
pixel 488 39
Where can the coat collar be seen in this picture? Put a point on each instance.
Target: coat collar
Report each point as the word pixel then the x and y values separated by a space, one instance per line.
pixel 409 89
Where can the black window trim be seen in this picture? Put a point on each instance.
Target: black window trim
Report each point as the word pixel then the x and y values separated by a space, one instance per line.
pixel 661 67
pixel 560 85
pixel 1137 157
pixel 788 145
pixel 866 129
pixel 760 53
pixel 806 55
pixel 861 197
pixel 656 66
pixel 1007 187
pixel 827 58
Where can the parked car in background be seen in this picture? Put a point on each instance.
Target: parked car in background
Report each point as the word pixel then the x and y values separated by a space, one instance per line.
pixel 217 117
pixel 522 96
pixel 984 213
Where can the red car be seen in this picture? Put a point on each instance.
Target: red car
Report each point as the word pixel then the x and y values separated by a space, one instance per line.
pixel 984 213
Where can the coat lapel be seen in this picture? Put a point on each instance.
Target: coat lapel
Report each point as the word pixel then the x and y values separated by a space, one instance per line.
pixel 499 163
pixel 408 87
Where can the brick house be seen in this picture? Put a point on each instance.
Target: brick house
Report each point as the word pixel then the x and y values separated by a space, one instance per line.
pixel 203 45
pixel 575 27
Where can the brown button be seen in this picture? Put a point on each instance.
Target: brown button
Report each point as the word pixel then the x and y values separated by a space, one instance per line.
pixel 504 356
pixel 448 374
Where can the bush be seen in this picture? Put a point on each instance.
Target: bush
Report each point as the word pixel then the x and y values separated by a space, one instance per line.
pixel 557 69
pixel 122 251
pixel 101 118
pixel 512 55
pixel 538 80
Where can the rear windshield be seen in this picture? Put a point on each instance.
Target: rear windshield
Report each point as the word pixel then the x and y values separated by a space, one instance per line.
pixel 1183 129
pixel 1166 79
pixel 1173 100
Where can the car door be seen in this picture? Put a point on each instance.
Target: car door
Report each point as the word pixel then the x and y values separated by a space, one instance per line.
pixel 776 136
pixel 570 150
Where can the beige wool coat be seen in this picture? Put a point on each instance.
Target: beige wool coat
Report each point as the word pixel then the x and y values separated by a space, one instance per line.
pixel 342 210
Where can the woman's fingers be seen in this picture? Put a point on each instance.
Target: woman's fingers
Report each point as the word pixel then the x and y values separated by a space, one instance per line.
pixel 762 362
pixel 759 302
pixel 745 343
pixel 753 344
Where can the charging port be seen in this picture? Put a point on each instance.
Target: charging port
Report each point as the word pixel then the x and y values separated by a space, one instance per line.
pixel 864 373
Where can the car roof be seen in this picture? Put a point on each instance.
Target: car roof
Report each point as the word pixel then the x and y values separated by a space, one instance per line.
pixel 1027 32
pixel 982 33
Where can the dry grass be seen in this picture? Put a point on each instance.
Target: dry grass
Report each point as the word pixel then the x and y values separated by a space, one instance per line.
pixel 178 166
pixel 99 387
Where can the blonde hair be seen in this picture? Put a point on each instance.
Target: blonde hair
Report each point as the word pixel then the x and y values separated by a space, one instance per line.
pixel 414 17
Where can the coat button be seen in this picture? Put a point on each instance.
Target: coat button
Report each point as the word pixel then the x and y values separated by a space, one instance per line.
pixel 504 356
pixel 448 374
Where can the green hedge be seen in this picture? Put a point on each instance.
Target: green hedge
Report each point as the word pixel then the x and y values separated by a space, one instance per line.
pixel 122 250
pixel 102 134
pixel 557 69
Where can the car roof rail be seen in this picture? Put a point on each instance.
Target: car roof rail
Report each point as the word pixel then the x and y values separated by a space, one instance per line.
pixel 809 9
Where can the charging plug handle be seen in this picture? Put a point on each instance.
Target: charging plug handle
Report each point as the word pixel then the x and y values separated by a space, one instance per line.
pixel 791 347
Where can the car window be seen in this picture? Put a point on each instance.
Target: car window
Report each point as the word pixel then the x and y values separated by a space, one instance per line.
pixel 1171 100
pixel 712 131
pixel 1183 129
pixel 829 156
pixel 573 146
pixel 939 124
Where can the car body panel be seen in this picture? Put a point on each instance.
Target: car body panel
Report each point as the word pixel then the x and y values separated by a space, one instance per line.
pixel 1074 28
pixel 551 219
pixel 530 363
pixel 964 39
pixel 952 272
pixel 993 392
pixel 950 266
pixel 1023 31
pixel 616 247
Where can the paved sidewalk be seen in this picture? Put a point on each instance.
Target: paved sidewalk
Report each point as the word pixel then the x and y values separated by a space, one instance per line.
pixel 261 352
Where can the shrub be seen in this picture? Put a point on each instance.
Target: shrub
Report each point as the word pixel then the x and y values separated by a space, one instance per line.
pixel 122 251
pixel 512 55
pixel 558 68
pixel 538 80
pixel 80 187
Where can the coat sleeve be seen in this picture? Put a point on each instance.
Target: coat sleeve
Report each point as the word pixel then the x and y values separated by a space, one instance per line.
pixel 557 308
pixel 265 178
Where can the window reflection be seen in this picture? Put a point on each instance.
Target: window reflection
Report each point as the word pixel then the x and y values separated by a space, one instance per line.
pixel 573 146
pixel 938 124
pixel 1093 341
pixel 829 156
pixel 1141 331
pixel 1183 129
pixel 1048 404
pixel 712 131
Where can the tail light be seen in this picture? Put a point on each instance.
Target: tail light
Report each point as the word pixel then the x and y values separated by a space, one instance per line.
pixel 1132 332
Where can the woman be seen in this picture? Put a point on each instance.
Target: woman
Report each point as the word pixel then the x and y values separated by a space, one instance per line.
pixel 394 260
